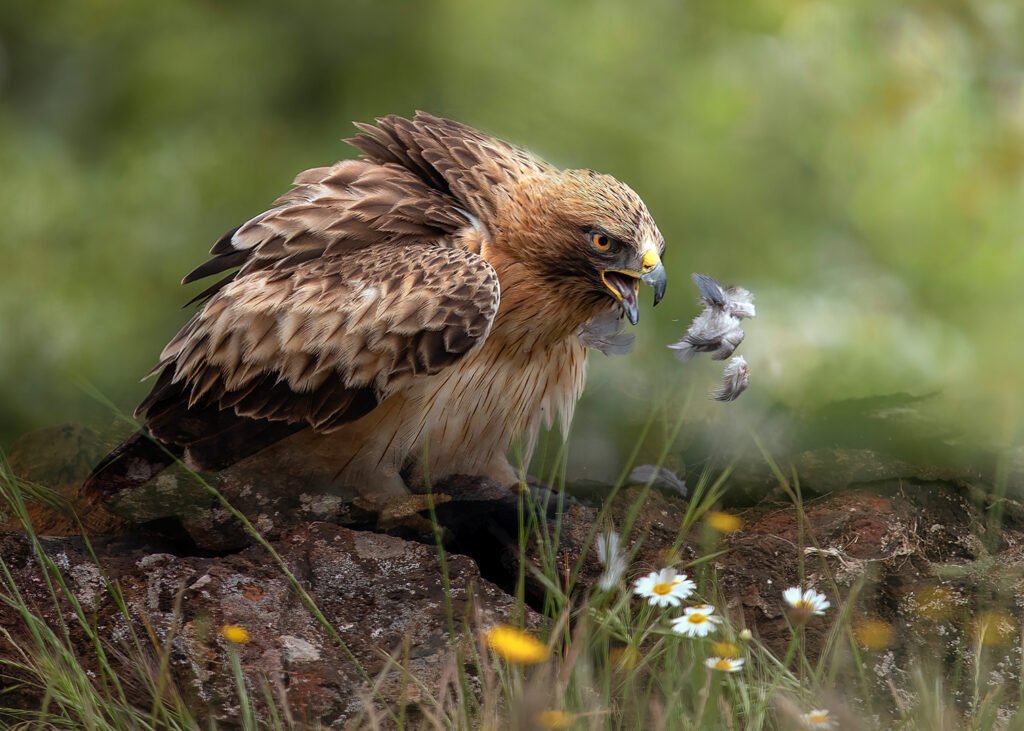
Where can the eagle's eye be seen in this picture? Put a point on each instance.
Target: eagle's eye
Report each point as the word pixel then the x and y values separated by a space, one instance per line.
pixel 601 241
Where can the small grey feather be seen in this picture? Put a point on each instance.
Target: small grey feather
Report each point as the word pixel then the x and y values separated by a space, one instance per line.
pixel 735 379
pixel 711 292
pixel 605 333
pixel 717 329
pixel 740 302
pixel 659 477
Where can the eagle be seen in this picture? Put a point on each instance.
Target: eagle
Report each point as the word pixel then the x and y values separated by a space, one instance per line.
pixel 408 315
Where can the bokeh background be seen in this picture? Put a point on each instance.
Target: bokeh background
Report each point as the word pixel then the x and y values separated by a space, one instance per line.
pixel 857 165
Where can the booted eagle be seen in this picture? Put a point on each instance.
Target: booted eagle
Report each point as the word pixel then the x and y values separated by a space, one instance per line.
pixel 404 316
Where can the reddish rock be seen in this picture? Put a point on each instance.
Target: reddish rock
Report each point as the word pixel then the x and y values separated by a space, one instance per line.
pixel 382 594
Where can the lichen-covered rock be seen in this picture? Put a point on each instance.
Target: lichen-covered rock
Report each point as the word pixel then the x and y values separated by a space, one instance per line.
pixel 57 459
pixel 385 597
pixel 918 552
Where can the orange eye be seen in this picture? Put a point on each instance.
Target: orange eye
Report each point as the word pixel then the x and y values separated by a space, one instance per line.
pixel 600 241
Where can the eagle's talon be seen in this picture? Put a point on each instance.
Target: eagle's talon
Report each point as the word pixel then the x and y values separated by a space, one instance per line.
pixel 409 511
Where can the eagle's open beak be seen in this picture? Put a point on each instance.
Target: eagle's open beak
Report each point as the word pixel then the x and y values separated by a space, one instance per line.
pixel 624 284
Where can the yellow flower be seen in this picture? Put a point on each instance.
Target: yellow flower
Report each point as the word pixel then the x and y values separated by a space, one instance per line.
pixel 933 603
pixel 996 629
pixel 725 649
pixel 516 646
pixel 235 634
pixel 724 522
pixel 624 658
pixel 873 634
pixel 553 719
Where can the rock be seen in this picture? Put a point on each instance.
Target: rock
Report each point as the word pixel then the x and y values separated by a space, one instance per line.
pixel 53 462
pixel 877 546
pixel 914 543
pixel 382 594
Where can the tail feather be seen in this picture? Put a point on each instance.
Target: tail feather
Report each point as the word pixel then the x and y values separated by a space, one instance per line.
pixel 132 464
pixel 213 438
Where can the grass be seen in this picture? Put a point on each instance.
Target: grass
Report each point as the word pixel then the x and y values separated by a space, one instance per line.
pixel 606 659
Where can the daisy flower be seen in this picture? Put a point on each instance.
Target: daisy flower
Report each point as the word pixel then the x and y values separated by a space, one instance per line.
pixel 805 602
pixel 725 664
pixel 817 718
pixel 664 588
pixel 696 621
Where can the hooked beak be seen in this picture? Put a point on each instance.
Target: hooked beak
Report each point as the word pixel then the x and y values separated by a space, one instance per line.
pixel 624 284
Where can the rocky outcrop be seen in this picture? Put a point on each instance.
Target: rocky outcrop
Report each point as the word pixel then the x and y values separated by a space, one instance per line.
pixel 398 618
pixel 919 551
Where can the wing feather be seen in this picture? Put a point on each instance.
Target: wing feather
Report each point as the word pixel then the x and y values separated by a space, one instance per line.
pixel 355 281
pixel 366 333
pixel 474 167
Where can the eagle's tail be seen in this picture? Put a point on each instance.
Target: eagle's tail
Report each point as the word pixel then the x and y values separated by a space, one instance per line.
pixel 133 463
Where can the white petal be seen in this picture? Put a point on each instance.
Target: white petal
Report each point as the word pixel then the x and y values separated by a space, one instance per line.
pixel 792 595
pixel 700 609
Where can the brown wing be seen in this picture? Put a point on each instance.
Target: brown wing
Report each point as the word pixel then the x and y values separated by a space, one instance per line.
pixel 325 340
pixel 474 167
pixel 352 284
pixel 348 206
pixel 316 345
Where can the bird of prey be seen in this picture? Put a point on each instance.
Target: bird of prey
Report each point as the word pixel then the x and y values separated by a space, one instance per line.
pixel 401 317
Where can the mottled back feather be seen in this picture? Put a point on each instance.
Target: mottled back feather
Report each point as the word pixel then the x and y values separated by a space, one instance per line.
pixel 357 280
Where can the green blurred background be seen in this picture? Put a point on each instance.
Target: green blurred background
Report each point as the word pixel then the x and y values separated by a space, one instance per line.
pixel 858 165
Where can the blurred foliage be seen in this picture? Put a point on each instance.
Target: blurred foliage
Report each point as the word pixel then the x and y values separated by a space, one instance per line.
pixel 857 165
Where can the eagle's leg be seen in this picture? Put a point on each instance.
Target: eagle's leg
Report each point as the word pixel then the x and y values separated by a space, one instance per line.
pixel 501 471
pixel 387 497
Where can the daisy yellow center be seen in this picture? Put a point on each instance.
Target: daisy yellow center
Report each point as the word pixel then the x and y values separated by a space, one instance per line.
pixel 663 588
pixel 801 604
pixel 697 618
pixel 723 664
pixel 817 717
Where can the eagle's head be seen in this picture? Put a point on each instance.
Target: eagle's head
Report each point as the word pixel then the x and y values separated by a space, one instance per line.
pixel 589 236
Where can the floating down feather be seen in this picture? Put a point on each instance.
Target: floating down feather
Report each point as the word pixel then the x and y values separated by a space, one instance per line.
pixel 735 379
pixel 718 330
pixel 605 333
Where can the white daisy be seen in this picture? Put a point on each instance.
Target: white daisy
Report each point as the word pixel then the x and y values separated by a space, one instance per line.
pixel 700 609
pixel 806 602
pixel 817 718
pixel 664 588
pixel 695 622
pixel 725 664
